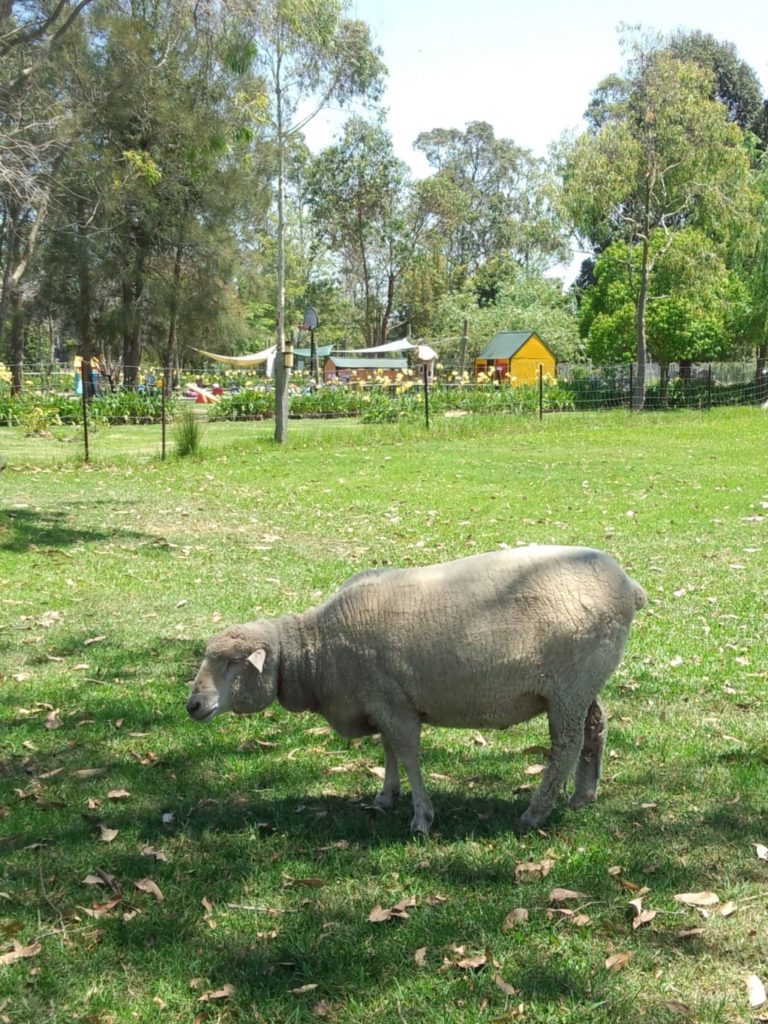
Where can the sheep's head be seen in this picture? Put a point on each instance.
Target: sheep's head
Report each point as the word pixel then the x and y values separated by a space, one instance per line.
pixel 238 673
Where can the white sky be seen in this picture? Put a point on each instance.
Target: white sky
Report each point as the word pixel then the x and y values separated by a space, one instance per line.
pixel 527 67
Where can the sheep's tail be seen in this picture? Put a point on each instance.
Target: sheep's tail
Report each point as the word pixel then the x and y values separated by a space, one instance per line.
pixel 641 598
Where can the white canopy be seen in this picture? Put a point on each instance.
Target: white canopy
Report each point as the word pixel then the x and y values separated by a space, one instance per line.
pixel 423 352
pixel 266 355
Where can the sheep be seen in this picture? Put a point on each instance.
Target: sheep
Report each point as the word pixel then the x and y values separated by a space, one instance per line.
pixel 481 642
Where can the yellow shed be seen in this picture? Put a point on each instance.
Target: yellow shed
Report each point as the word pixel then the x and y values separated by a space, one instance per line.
pixel 515 357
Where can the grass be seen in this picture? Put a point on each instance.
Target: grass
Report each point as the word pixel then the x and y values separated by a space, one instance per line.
pixel 112 578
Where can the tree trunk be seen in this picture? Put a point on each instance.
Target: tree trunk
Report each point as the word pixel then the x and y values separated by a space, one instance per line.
pixel 663 384
pixel 282 374
pixel 761 379
pixel 16 311
pixel 173 311
pixel 84 312
pixel 132 288
pixel 638 383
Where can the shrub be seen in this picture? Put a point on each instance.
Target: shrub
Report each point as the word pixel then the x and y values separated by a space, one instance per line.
pixel 188 433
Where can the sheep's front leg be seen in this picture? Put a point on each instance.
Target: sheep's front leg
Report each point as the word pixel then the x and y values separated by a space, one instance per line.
pixel 567 738
pixel 591 758
pixel 402 735
pixel 390 788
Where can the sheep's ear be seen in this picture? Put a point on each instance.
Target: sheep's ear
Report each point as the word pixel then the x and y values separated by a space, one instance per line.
pixel 257 659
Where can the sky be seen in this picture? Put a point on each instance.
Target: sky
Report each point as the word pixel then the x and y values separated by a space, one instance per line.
pixel 527 68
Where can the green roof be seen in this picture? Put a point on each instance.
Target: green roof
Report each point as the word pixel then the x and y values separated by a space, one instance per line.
pixel 306 353
pixel 369 364
pixel 507 344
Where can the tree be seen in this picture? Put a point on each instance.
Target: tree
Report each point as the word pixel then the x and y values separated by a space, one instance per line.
pixel 502 193
pixel 309 55
pixel 694 303
pixel 365 207
pixel 661 154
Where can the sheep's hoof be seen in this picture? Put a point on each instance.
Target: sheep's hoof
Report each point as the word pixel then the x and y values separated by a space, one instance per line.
pixel 421 826
pixel 529 820
pixel 384 801
pixel 577 800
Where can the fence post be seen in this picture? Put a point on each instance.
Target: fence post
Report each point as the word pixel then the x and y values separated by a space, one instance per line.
pixel 631 384
pixel 709 386
pixel 163 393
pixel 426 395
pixel 541 392
pixel 85 377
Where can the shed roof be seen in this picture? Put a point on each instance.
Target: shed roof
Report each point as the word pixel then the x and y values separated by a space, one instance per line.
pixel 368 364
pixel 507 344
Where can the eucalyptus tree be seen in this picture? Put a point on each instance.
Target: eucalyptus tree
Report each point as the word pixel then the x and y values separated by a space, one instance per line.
pixel 503 193
pixel 309 55
pixel 367 210
pixel 661 154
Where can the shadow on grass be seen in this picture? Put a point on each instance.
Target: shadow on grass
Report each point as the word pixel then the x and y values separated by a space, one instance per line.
pixel 20 529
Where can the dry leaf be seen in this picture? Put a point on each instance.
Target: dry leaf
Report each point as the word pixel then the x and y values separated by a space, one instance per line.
pixel 20 952
pixel 760 850
pixel 561 895
pixel 147 885
pixel 118 794
pixel 93 640
pixel 506 988
pixel 93 880
pixel 89 773
pixel 534 769
pixel 472 963
pixel 480 740
pixel 615 870
pixel 756 991
pixel 675 1006
pixel 98 910
pixel 698 899
pixel 617 961
pixel 52 720
pixel 220 993
pixel 690 933
pixel 420 956
pixel 727 909
pixel 533 869
pixel 302 989
pixel 107 834
pixel 320 1009
pixel 150 851
pixel 514 918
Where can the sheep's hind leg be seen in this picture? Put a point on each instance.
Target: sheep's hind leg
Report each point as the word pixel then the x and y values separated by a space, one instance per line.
pixel 403 737
pixel 390 788
pixel 591 758
pixel 567 739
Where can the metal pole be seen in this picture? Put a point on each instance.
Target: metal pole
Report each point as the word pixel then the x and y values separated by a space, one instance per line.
pixel 85 376
pixel 426 395
pixel 631 384
pixel 163 407
pixel 709 387
pixel 541 392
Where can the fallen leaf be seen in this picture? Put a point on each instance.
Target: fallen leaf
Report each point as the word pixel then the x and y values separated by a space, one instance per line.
pixel 561 895
pixel 93 640
pixel 150 851
pixel 98 910
pixel 89 773
pixel 675 1006
pixel 147 885
pixel 690 933
pixel 727 909
pixel 220 993
pixel 760 850
pixel 420 956
pixel 320 1009
pixel 93 880
pixel 697 899
pixel 617 961
pixel 534 769
pixel 756 991
pixel 533 869
pixel 506 988
pixel 302 989
pixel 480 740
pixel 20 952
pixel 50 774
pixel 377 771
pixel 615 870
pixel 514 918
pixel 52 720
pixel 472 963
pixel 118 794
pixel 107 834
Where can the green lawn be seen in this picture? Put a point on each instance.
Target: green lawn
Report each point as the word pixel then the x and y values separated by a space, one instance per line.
pixel 257 833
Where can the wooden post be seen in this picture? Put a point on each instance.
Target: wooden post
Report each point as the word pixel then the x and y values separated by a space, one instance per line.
pixel 631 385
pixel 541 392
pixel 426 395
pixel 163 393
pixel 709 387
pixel 463 349
pixel 85 375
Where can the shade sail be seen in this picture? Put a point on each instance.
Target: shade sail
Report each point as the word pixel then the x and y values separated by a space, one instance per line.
pixel 254 359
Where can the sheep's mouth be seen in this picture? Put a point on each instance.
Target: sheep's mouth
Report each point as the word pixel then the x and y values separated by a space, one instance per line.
pixel 204 715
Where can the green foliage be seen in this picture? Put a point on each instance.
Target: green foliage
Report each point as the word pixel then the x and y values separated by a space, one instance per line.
pixel 108 408
pixel 188 432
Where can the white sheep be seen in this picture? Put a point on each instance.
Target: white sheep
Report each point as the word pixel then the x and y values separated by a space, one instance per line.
pixel 480 642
